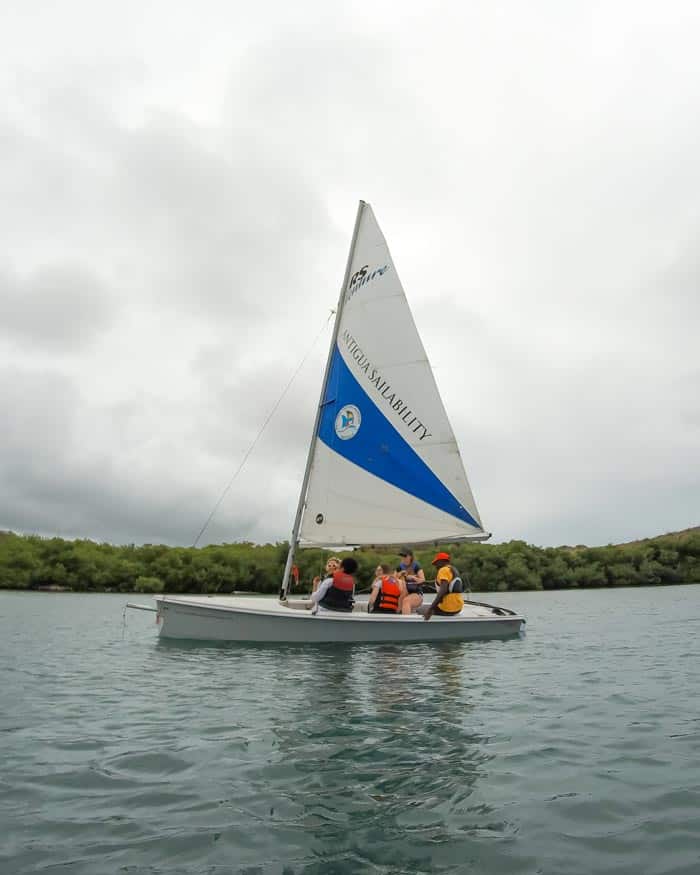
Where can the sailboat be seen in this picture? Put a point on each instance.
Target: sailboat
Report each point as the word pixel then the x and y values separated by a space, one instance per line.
pixel 383 468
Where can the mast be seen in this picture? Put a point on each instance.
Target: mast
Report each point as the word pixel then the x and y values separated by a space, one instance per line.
pixel 312 448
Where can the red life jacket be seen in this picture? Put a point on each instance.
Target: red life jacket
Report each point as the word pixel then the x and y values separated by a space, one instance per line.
pixel 342 581
pixel 388 599
pixel 339 595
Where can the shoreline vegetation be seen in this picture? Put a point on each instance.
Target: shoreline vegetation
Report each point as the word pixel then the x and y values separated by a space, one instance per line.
pixel 30 562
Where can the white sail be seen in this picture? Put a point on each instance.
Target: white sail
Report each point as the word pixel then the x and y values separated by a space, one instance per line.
pixel 385 466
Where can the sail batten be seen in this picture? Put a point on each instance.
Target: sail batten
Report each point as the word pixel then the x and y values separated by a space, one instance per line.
pixel 386 467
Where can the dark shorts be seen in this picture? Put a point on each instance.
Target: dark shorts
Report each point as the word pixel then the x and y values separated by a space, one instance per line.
pixel 423 609
pixel 447 613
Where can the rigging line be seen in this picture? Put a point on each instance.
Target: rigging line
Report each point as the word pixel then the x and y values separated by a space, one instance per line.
pixel 262 429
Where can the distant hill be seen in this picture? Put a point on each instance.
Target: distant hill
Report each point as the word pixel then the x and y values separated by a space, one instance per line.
pixel 684 534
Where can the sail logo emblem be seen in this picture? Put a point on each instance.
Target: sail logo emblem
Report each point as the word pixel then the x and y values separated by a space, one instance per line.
pixel 347 422
pixel 363 276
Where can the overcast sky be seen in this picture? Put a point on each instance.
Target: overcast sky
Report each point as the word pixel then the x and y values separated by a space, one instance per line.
pixel 178 184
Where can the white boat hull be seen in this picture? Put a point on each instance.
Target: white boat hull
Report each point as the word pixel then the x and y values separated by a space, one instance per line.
pixel 264 620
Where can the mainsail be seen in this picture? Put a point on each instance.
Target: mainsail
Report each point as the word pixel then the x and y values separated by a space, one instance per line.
pixel 384 465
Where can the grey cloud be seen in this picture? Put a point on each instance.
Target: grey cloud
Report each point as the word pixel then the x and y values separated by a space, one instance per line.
pixel 68 467
pixel 544 227
pixel 60 307
pixel 220 228
pixel 174 213
pixel 238 394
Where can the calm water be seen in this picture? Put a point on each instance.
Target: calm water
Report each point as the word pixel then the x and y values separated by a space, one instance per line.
pixel 573 750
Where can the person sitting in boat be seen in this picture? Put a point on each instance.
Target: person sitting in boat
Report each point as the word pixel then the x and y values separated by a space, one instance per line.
pixel 414 576
pixel 388 591
pixel 332 565
pixel 336 592
pixel 449 600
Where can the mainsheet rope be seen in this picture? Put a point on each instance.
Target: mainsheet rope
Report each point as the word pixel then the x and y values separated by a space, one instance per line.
pixel 262 429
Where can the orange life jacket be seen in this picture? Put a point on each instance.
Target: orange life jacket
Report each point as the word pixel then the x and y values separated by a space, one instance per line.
pixel 388 599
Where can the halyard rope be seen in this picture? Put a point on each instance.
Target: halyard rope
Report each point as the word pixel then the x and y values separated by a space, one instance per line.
pixel 262 429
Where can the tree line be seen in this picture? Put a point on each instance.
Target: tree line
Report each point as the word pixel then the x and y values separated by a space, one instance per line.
pixel 33 562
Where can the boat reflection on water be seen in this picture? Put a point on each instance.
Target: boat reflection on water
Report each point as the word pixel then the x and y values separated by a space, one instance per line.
pixel 387 757
pixel 358 757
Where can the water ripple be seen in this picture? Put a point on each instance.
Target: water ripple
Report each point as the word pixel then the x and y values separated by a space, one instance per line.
pixel 572 750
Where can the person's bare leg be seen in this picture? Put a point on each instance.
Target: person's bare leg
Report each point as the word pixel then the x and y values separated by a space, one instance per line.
pixel 410 603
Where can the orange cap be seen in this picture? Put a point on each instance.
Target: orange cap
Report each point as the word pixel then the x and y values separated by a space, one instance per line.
pixel 441 557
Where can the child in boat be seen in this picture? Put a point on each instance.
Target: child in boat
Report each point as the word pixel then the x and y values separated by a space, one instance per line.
pixel 449 600
pixel 388 591
pixel 332 565
pixel 336 593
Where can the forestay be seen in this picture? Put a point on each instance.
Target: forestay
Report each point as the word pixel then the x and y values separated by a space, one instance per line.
pixel 385 466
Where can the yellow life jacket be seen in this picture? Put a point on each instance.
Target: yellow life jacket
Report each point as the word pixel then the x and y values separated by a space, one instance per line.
pixel 452 602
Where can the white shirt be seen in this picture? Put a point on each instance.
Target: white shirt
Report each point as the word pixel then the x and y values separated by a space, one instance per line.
pixel 323 588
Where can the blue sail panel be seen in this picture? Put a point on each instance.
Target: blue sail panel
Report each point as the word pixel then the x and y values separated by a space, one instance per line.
pixel 352 426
